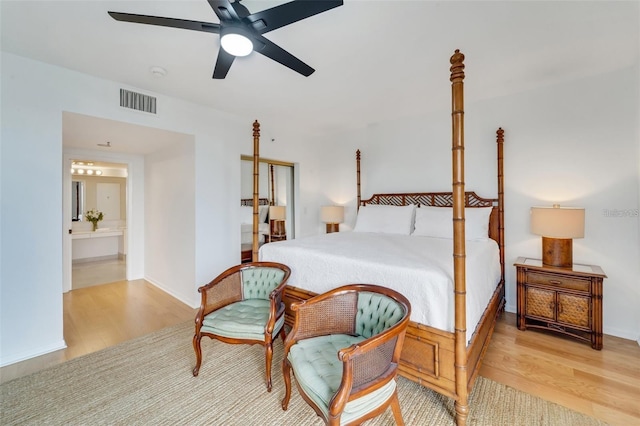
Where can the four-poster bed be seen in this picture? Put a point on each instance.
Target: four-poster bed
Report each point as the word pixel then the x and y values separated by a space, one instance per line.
pixel 447 358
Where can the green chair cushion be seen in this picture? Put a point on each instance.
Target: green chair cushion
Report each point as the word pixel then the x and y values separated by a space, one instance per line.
pixel 259 282
pixel 246 319
pixel 376 313
pixel 318 371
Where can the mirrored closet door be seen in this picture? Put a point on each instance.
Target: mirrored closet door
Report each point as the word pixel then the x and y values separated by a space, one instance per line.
pixel 276 201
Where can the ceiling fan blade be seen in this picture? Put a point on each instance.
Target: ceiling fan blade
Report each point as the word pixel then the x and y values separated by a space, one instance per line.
pixel 278 54
pixel 225 11
pixel 288 13
pixel 223 63
pixel 167 22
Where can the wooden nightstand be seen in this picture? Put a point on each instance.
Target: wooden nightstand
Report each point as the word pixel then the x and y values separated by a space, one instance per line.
pixel 564 300
pixel 277 237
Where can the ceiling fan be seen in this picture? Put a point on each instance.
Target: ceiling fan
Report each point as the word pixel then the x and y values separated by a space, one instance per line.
pixel 241 31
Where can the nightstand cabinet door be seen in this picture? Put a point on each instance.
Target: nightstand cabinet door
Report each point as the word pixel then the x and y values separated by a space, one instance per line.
pixel 540 303
pixel 574 310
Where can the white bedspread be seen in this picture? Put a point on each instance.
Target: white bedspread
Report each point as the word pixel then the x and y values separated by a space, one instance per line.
pixel 419 267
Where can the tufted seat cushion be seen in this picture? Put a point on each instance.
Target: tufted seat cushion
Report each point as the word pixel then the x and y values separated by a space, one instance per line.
pixel 245 320
pixel 319 372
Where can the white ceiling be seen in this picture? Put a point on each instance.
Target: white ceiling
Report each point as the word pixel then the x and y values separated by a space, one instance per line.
pixel 85 132
pixel 374 60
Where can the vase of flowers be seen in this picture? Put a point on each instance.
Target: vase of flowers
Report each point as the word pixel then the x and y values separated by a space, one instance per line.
pixel 94 216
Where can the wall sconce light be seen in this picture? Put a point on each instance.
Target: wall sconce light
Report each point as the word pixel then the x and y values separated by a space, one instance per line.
pixel 277 216
pixel 557 226
pixel 333 216
pixel 87 172
pixel 82 168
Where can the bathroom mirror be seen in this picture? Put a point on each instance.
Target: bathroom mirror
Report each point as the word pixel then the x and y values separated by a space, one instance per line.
pixel 77 200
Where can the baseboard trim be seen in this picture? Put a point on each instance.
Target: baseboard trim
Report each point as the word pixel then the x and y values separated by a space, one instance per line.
pixel 23 356
pixel 97 258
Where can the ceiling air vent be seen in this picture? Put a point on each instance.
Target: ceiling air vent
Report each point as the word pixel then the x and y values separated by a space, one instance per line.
pixel 138 101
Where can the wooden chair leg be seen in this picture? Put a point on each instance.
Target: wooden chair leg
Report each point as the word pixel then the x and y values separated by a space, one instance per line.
pixel 286 375
pixel 198 351
pixel 269 356
pixel 395 408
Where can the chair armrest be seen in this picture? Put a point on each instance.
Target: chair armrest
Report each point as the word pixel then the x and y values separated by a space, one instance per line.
pixel 369 364
pixel 278 292
pixel 374 359
pixel 277 306
pixel 223 290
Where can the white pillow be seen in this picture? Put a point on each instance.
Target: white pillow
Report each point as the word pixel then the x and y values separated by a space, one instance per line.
pixel 263 211
pixel 438 222
pixel 246 214
pixel 385 219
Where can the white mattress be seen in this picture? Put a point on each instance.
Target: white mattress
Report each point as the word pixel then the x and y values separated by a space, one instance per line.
pixel 419 267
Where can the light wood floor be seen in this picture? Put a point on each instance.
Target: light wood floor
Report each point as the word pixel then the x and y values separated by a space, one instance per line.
pixel 603 384
pixel 85 274
pixel 103 315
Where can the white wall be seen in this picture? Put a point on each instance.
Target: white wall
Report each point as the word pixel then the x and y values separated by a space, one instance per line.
pixel 246 180
pixel 574 144
pixel 170 226
pixel 562 144
pixel 34 96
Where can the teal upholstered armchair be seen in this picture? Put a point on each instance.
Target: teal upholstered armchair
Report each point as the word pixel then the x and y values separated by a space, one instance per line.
pixel 243 305
pixel 344 350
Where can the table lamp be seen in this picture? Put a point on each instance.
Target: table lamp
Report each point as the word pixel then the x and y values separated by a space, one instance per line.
pixel 277 215
pixel 333 216
pixel 557 226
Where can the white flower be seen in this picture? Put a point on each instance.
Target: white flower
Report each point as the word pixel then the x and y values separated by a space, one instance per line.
pixel 94 215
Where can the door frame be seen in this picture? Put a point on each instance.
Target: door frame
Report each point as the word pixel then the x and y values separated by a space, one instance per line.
pixel 135 179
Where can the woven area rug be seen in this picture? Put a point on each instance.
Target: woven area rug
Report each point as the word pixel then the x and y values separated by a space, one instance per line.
pixel 148 381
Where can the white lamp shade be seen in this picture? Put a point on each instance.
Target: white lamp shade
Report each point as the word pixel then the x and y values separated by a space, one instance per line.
pixel 277 213
pixel 557 222
pixel 332 214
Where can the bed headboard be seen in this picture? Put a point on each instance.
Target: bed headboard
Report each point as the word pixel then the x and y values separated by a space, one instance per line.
pixel 249 202
pixel 445 199
pixel 440 199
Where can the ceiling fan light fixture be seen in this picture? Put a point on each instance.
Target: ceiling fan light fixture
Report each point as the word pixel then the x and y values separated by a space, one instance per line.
pixel 234 42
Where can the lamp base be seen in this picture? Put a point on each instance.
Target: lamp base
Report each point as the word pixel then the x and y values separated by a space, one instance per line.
pixel 333 227
pixel 557 252
pixel 277 227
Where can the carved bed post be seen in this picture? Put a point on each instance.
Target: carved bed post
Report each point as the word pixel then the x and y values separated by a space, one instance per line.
pixel 500 142
pixel 459 254
pixel 273 192
pixel 358 179
pixel 256 182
